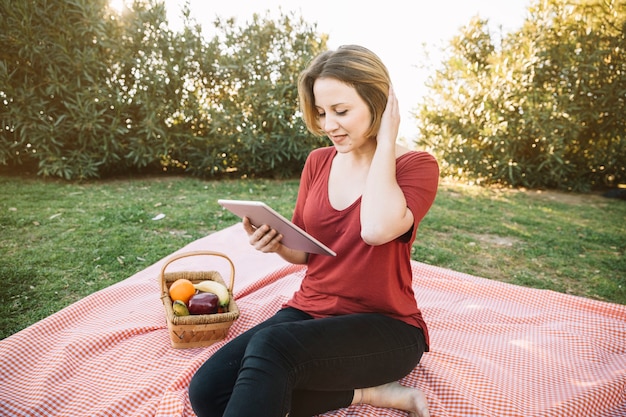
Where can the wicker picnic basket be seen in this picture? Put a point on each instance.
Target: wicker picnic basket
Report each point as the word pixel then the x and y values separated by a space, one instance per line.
pixel 202 329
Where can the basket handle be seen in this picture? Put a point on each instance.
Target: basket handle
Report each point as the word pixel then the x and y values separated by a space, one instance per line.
pixel 198 253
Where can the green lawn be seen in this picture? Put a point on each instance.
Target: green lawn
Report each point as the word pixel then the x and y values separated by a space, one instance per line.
pixel 62 241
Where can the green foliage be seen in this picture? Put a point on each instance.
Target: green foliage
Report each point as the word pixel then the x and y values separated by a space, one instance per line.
pixel 253 113
pixel 51 71
pixel 544 108
pixel 86 91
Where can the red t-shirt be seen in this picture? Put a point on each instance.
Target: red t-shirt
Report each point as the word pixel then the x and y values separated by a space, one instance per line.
pixel 361 278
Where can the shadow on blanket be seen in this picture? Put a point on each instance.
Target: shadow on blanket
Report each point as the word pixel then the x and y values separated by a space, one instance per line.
pixel 497 349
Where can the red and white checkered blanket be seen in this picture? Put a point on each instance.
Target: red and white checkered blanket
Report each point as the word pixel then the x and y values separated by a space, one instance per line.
pixel 496 349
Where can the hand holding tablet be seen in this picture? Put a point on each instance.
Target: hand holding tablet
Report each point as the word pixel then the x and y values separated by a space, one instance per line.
pixel 260 213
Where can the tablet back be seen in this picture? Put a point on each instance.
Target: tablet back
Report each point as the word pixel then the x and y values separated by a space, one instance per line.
pixel 260 213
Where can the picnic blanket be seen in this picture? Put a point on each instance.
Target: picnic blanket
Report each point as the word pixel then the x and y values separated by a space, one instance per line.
pixel 496 349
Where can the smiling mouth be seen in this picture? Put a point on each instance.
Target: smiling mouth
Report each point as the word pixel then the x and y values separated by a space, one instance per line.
pixel 338 138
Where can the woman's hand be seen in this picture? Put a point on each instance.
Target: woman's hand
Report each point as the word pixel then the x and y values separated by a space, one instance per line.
pixel 390 121
pixel 384 212
pixel 263 238
pixel 267 240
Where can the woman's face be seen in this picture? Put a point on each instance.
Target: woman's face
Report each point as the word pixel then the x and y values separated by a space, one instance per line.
pixel 343 115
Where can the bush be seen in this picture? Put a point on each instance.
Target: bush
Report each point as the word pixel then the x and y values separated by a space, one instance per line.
pixel 253 125
pixel 86 91
pixel 545 108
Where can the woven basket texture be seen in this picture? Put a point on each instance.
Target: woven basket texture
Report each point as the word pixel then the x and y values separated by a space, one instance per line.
pixel 202 329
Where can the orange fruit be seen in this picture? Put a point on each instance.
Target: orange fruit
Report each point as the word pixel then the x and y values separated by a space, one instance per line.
pixel 182 289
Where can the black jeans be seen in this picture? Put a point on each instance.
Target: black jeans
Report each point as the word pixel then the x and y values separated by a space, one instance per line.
pixel 295 365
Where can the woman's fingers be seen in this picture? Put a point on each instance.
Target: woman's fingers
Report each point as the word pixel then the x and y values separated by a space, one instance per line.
pixel 390 123
pixel 263 238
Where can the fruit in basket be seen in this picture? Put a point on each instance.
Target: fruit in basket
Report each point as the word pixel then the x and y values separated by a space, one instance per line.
pixel 216 288
pixel 182 289
pixel 180 308
pixel 203 303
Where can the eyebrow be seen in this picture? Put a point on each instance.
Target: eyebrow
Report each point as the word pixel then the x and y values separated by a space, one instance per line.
pixel 332 106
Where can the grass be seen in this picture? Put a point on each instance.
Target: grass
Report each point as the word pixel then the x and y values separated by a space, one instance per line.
pixel 62 241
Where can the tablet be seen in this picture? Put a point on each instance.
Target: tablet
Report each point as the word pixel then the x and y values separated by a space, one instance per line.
pixel 260 213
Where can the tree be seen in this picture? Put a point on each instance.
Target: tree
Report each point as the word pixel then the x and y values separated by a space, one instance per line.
pixel 545 108
pixel 53 67
pixel 253 125
pixel 87 91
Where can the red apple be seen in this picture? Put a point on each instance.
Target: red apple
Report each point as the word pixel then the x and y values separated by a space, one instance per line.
pixel 203 303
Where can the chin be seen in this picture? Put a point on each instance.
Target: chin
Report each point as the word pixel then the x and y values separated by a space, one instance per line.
pixel 344 148
pixel 343 144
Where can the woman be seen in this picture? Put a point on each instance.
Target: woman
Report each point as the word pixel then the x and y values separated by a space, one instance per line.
pixel 353 329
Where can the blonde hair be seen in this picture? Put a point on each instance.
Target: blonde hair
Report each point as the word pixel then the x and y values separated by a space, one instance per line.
pixel 355 66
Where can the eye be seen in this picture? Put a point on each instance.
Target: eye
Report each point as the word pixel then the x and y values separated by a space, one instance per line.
pixel 341 113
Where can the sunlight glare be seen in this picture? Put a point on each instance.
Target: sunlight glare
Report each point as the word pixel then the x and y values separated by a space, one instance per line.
pixel 117 5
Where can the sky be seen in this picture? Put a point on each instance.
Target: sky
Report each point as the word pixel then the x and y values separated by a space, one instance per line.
pixel 399 35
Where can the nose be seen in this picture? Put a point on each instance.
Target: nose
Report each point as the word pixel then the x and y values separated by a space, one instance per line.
pixel 330 123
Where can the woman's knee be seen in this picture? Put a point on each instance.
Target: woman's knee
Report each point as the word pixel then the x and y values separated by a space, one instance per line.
pixel 211 387
pixel 202 394
pixel 273 343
